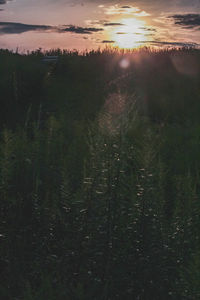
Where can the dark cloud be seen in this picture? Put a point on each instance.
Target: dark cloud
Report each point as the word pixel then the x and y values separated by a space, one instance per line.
pixel 113 24
pixel 121 32
pixel 175 44
pixel 108 42
pixel 4 1
pixel 148 29
pixel 125 6
pixel 187 20
pixel 16 28
pixel 81 30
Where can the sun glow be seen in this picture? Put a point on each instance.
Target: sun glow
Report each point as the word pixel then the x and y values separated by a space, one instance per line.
pixel 131 34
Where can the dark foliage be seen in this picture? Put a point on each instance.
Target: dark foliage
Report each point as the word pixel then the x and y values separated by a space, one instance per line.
pixel 99 175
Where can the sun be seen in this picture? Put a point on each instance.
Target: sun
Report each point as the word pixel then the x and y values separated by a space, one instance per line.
pixel 131 34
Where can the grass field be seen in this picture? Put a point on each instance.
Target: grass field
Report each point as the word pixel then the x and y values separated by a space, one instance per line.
pixel 100 175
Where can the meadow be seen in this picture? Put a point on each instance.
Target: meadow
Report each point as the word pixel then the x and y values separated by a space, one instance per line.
pixel 100 175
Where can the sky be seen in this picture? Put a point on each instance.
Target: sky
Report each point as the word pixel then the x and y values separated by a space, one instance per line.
pixel 91 24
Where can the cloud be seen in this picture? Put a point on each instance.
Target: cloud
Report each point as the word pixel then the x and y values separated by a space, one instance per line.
pixel 96 23
pixel 148 29
pixel 113 24
pixel 125 6
pixel 81 30
pixel 16 28
pixel 123 10
pixel 187 20
pixel 108 42
pixel 4 1
pixel 160 43
pixel 178 44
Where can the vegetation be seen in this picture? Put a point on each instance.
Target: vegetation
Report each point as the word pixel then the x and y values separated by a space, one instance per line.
pixel 100 175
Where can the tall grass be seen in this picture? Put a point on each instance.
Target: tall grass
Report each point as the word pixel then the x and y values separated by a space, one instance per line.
pixel 99 176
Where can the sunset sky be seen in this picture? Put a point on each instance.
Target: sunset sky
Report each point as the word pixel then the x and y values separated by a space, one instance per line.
pixel 90 24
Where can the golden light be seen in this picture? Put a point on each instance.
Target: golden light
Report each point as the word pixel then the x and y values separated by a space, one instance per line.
pixel 131 34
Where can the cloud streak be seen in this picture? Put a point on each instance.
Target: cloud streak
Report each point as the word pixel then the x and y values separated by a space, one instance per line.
pixel 123 10
pixel 160 43
pixel 108 42
pixel 175 44
pixel 80 30
pixel 17 28
pixel 113 24
pixel 148 29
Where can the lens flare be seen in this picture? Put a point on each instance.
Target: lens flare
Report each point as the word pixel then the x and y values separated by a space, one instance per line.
pixel 124 63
